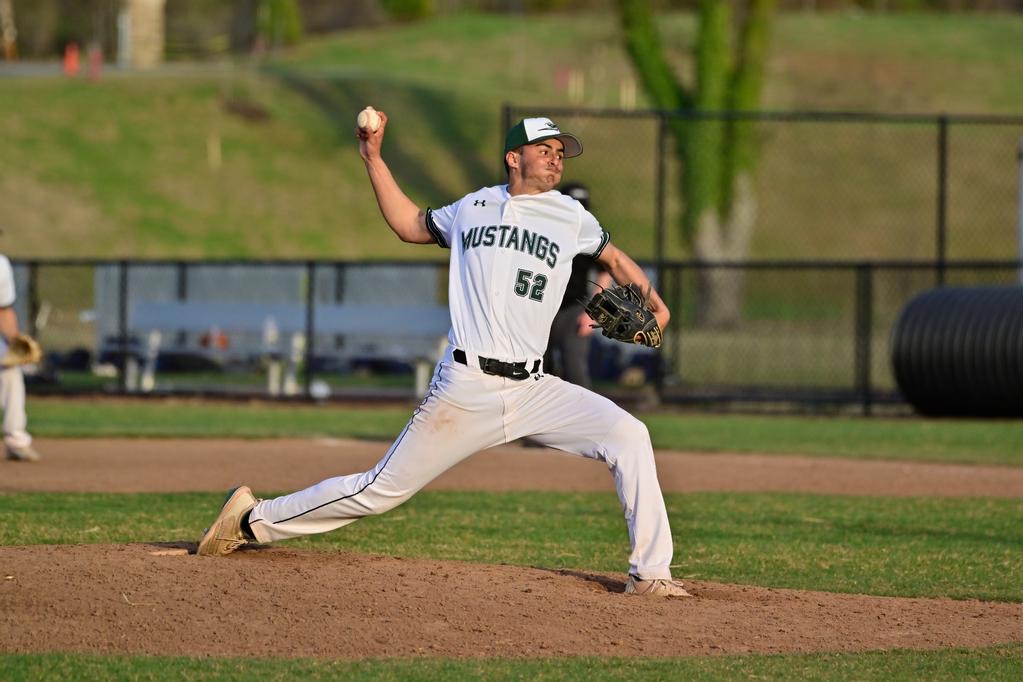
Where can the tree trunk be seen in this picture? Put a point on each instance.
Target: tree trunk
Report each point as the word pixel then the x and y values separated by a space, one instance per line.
pixel 8 31
pixel 718 156
pixel 146 33
pixel 720 289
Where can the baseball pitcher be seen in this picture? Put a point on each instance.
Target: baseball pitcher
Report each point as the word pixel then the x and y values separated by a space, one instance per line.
pixel 511 248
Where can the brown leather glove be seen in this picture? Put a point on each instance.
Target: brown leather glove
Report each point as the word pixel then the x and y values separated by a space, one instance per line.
pixel 22 349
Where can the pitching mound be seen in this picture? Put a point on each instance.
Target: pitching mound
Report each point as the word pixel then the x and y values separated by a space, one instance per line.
pixel 274 602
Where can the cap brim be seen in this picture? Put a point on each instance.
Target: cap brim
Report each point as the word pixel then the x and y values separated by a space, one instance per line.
pixel 573 147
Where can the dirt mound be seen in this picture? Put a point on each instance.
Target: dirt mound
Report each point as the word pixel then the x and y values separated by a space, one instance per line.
pixel 275 602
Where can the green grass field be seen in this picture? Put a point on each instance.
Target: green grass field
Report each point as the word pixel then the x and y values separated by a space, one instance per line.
pixel 994 663
pixel 154 165
pixel 998 442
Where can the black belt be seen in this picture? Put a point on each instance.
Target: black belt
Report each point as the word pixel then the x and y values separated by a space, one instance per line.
pixel 510 370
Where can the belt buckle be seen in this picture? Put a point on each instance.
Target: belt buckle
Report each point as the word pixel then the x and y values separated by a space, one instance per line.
pixel 508 370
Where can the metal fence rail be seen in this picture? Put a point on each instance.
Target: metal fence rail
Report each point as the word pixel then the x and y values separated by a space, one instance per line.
pixel 811 335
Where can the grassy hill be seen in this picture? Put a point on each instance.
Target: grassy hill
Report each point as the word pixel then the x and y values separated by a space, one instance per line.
pixel 258 160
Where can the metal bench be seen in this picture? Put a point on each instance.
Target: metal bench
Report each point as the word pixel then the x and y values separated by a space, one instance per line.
pixel 414 333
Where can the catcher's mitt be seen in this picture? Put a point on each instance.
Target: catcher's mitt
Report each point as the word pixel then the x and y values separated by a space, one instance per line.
pixel 22 349
pixel 623 313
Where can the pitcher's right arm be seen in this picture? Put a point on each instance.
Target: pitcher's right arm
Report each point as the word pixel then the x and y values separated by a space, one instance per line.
pixel 406 219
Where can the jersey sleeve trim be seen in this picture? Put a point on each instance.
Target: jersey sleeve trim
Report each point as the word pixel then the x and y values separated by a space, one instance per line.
pixel 434 231
pixel 605 237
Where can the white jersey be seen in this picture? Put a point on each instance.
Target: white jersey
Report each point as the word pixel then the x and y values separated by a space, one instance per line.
pixel 7 293
pixel 511 259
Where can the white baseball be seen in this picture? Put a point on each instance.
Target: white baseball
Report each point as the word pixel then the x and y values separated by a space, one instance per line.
pixel 369 119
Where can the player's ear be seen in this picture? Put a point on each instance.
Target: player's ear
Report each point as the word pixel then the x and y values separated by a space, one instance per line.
pixel 513 157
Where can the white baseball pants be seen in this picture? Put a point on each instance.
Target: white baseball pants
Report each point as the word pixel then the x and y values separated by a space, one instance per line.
pixel 12 402
pixel 466 411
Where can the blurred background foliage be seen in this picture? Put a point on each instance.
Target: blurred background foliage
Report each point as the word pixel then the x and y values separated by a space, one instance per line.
pixel 242 149
pixel 199 28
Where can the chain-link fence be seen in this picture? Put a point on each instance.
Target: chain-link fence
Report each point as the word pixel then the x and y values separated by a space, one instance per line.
pixel 942 194
pixel 274 328
pixel 851 186
pixel 810 334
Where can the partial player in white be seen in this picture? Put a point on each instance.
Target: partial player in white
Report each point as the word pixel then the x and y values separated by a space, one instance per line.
pixel 511 249
pixel 17 440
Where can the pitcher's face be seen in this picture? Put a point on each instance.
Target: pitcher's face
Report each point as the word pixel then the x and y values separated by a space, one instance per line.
pixel 541 164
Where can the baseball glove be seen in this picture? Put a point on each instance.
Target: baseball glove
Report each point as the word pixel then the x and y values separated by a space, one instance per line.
pixel 22 349
pixel 623 314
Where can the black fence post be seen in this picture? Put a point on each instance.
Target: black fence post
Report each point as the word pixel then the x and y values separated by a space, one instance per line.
pixel 863 334
pixel 659 209
pixel 506 124
pixel 33 297
pixel 310 324
pixel 942 198
pixel 659 237
pixel 1019 209
pixel 181 280
pixel 339 296
pixel 676 295
pixel 122 322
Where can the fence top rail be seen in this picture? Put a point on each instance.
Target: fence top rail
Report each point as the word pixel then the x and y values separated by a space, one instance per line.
pixel 806 264
pixel 774 115
pixel 893 264
pixel 219 262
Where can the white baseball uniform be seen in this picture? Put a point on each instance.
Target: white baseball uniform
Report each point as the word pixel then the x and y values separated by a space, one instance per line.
pixel 12 382
pixel 511 258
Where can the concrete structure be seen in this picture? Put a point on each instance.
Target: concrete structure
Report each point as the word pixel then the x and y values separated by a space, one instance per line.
pixel 141 33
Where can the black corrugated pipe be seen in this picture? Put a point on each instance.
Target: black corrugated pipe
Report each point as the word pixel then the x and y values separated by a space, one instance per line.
pixel 958 351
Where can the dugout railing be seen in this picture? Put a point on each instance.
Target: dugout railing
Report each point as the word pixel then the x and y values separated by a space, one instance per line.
pixel 806 335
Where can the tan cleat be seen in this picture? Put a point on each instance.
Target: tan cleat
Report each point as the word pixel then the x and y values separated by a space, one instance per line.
pixel 225 535
pixel 655 588
pixel 23 453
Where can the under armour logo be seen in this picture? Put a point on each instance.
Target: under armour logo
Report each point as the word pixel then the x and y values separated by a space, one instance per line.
pixel 480 202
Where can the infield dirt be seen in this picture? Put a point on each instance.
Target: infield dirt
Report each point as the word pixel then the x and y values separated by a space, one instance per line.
pixel 280 602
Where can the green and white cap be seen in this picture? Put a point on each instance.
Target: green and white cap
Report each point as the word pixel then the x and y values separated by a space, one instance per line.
pixel 533 130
